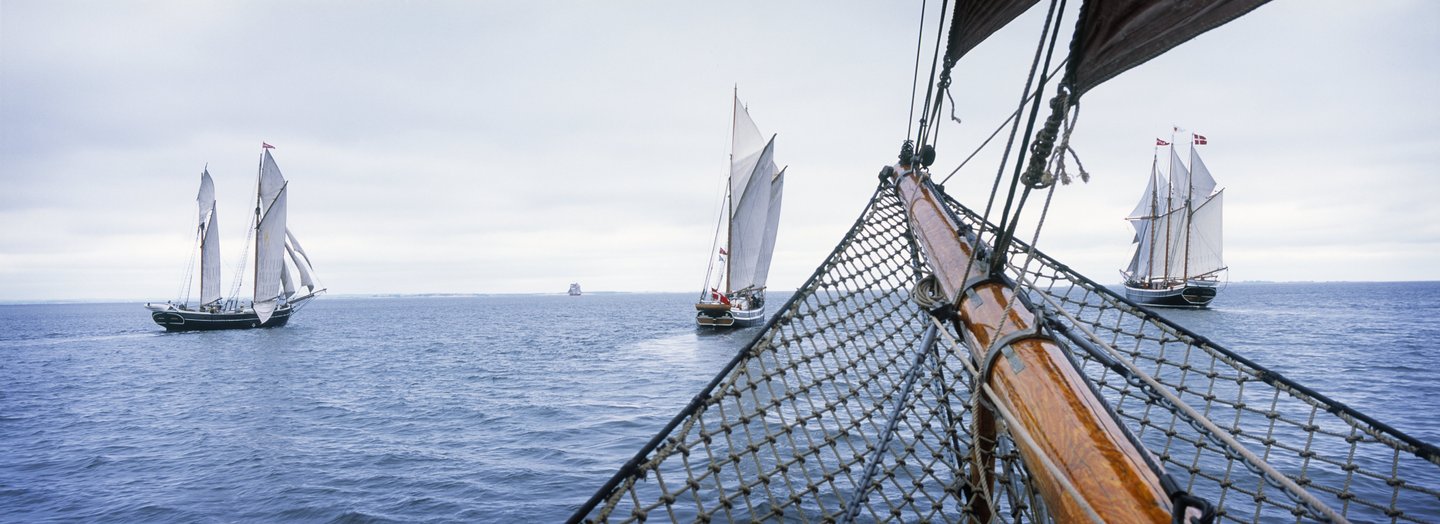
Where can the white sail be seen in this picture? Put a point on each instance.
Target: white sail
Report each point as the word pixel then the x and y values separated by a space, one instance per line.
pixel 287 285
pixel 296 245
pixel 209 241
pixel 748 223
pixel 1201 183
pixel 772 226
pixel 1141 261
pixel 1179 181
pixel 269 237
pixel 1149 202
pixel 1206 249
pixel 746 146
pixel 303 266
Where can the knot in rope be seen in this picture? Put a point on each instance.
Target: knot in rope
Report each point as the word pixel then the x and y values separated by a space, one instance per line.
pixel 1036 176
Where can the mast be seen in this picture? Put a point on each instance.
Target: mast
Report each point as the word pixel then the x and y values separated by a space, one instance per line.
pixel 1169 207
pixel 1154 213
pixel 730 189
pixel 1189 213
pixel 255 273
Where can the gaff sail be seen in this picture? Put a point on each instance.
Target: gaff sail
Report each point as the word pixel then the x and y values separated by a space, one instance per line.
pixel 209 241
pixel 269 238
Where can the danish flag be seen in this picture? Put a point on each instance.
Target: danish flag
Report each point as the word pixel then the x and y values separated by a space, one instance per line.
pixel 1200 140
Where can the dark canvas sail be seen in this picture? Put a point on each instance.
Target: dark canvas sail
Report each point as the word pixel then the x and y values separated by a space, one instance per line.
pixel 973 22
pixel 1116 35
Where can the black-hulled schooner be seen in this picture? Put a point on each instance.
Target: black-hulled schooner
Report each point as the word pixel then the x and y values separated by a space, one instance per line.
pixel 275 297
pixel 734 290
pixel 1178 247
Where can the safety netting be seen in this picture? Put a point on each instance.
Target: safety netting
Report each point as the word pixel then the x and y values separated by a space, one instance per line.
pixel 855 404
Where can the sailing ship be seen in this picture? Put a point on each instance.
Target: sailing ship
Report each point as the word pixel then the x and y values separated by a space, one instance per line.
pixel 734 290
pixel 274 297
pixel 1178 253
pixel 574 289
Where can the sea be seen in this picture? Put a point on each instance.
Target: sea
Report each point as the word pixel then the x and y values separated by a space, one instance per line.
pixel 494 408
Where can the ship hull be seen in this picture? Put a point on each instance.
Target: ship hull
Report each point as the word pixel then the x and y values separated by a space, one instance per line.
pixel 1192 295
pixel 723 316
pixel 184 320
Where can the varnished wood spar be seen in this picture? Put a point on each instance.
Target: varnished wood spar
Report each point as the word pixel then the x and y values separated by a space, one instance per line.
pixel 1040 386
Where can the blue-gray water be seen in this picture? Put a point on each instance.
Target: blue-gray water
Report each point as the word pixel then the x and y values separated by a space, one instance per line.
pixel 492 408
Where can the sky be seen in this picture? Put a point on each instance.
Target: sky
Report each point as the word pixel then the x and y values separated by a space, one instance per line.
pixel 515 147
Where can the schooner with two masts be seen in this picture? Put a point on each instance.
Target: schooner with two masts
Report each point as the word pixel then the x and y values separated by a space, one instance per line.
pixel 275 297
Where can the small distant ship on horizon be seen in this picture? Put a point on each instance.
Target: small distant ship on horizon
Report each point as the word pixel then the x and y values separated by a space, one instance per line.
pixel 574 289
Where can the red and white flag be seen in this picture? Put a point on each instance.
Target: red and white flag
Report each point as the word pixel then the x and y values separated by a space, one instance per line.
pixel 264 145
pixel 717 295
pixel 1200 140
pixel 1160 142
pixel 723 251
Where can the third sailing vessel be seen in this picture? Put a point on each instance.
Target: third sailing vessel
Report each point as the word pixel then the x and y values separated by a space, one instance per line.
pixel 734 291
pixel 275 298
pixel 1177 261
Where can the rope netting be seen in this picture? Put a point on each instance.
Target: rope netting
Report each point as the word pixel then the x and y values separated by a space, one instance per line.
pixel 854 404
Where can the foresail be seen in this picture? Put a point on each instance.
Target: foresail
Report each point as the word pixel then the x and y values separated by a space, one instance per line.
pixel 1115 35
pixel 209 241
pixel 287 285
pixel 302 265
pixel 269 238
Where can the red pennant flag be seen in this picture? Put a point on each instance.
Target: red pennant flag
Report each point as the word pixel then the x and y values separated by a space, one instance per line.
pixel 1200 140
pixel 723 252
pixel 1160 142
pixel 266 146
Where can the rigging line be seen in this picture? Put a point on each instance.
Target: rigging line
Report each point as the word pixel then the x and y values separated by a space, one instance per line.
pixel 930 83
pixel 1007 220
pixel 915 75
pixel 1016 114
pixel 1010 144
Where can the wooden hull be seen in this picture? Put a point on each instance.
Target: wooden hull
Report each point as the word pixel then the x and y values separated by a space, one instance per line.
pixel 1035 380
pixel 1194 295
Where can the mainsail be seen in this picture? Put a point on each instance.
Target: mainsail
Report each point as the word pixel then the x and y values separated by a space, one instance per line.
pixel 209 241
pixel 270 232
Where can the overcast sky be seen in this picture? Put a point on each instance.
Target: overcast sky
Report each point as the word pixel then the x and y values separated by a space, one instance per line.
pixel 498 147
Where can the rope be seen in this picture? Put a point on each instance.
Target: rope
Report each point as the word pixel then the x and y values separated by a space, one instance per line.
pixel 915 76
